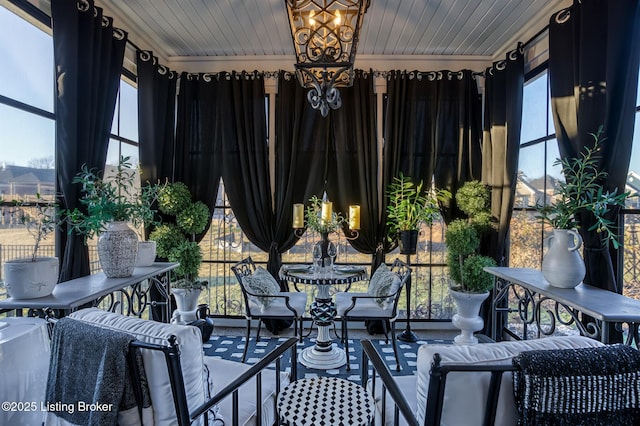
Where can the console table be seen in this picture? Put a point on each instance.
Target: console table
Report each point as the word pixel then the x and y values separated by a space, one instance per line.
pixel 536 298
pixel 70 295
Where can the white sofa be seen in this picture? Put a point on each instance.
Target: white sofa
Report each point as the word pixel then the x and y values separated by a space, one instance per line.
pixel 465 393
pixel 194 371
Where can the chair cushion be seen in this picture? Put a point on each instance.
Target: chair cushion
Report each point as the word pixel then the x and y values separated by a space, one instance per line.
pixel 225 371
pixel 368 308
pixel 261 282
pixel 278 307
pixel 578 386
pixel 191 359
pixel 383 283
pixel 472 387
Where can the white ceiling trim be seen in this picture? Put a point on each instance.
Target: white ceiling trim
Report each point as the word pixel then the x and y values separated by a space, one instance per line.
pixel 375 62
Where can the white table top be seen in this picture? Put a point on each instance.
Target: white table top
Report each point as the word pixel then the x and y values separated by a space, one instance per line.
pixel 74 293
pixel 601 304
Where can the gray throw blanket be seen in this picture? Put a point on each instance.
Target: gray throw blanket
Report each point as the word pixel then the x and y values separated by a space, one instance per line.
pixel 589 386
pixel 89 381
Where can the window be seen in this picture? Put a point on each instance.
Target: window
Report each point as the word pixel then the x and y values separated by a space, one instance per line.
pixel 537 177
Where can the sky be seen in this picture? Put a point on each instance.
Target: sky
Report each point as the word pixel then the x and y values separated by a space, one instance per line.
pixel 29 78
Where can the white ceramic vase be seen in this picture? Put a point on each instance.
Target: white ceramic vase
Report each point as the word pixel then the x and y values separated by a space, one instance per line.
pixel 146 253
pixel 562 265
pixel 186 305
pixel 117 250
pixel 26 279
pixel 467 319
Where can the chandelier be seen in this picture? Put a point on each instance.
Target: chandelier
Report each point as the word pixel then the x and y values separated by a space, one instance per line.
pixel 325 36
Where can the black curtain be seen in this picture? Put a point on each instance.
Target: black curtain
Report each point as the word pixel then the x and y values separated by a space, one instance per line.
pixel 353 169
pixel 594 51
pixel 504 83
pixel 300 160
pixel 199 134
pixel 245 155
pixel 156 133
pixel 88 55
pixel 433 129
pixel 458 135
pixel 156 117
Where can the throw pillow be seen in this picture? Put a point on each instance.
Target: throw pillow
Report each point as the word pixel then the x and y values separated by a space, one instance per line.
pixel 261 283
pixel 383 283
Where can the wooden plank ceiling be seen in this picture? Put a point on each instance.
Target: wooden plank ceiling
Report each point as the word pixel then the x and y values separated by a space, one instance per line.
pixel 403 28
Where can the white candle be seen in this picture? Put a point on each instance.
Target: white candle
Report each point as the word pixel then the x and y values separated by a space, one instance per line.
pixel 354 217
pixel 298 215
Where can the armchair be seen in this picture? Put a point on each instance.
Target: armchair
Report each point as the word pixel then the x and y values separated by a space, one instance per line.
pixel 375 305
pixel 264 304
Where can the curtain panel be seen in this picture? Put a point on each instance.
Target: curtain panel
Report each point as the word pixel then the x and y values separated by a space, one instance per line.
pixel 353 166
pixel 156 117
pixel 594 52
pixel 504 84
pixel 433 130
pixel 88 55
pixel 199 133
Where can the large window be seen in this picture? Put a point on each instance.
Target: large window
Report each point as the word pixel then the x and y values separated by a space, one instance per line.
pixel 538 176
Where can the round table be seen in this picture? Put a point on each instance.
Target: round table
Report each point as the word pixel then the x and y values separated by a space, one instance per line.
pixel 326 401
pixel 323 355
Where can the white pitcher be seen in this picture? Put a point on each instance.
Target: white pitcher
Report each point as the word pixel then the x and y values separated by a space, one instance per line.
pixel 562 265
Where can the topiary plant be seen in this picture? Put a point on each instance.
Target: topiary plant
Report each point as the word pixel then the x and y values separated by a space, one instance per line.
pixel 463 236
pixel 176 241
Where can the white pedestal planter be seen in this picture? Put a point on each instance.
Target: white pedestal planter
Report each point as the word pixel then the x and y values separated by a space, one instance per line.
pixel 186 305
pixel 467 318
pixel 25 279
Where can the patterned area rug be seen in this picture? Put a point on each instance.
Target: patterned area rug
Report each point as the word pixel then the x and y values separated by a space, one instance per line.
pixel 231 348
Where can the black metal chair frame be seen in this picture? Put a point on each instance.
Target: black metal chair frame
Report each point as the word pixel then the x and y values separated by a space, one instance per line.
pixel 404 272
pixel 171 353
pixel 437 383
pixel 247 267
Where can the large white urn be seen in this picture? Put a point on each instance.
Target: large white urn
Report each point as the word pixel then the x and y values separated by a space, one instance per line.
pixel 467 317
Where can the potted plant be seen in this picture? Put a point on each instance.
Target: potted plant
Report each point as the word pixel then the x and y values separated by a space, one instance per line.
pixel 411 205
pixel 110 204
pixel 34 276
pixel 580 193
pixel 470 284
pixel 175 239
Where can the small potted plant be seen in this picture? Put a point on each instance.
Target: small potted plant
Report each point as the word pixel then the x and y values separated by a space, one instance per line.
pixel 581 192
pixel 411 205
pixel 34 276
pixel 110 204
pixel 470 284
pixel 176 242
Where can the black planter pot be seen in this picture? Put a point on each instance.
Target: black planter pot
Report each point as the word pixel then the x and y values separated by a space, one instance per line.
pixel 408 242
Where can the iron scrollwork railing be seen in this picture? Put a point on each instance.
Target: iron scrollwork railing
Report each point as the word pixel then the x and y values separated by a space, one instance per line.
pixel 135 299
pixel 542 313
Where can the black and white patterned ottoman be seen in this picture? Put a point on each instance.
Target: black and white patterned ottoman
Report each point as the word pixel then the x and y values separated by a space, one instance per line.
pixel 325 401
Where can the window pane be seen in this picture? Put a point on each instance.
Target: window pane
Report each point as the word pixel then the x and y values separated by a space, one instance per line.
pixel 534 109
pixel 27 71
pixel 116 150
pixel 125 118
pixel 27 139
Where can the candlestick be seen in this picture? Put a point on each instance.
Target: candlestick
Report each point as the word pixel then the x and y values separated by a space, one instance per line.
pixel 298 215
pixel 354 217
pixel 326 212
